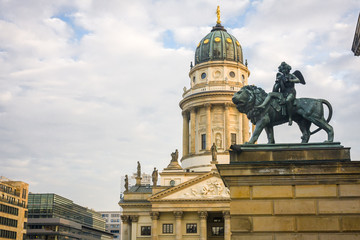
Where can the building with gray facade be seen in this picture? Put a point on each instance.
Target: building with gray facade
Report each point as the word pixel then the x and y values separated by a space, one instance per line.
pixel 51 216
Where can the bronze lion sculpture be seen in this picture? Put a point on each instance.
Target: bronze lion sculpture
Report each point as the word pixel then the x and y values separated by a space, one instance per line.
pixel 305 112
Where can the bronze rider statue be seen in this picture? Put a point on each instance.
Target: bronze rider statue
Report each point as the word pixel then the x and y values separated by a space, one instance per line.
pixel 285 86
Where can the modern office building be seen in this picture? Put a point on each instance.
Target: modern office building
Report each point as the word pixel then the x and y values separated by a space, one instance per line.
pixel 112 222
pixel 54 217
pixel 13 209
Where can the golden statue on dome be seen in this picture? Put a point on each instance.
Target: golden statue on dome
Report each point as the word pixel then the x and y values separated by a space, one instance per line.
pixel 218 15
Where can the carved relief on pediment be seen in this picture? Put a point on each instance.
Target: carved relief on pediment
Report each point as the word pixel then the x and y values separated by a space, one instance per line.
pixel 212 188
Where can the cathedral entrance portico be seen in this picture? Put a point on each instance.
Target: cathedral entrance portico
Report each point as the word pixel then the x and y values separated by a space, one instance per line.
pixel 179 224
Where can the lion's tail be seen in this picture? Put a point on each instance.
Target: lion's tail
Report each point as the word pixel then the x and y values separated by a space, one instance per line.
pixel 323 101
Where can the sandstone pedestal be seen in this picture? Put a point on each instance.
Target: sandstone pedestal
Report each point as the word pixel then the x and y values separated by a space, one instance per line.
pixel 293 191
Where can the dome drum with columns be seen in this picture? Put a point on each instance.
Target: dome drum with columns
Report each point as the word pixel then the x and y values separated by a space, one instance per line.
pixel 209 116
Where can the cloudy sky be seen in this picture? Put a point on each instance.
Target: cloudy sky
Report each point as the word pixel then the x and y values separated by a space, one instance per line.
pixel 88 88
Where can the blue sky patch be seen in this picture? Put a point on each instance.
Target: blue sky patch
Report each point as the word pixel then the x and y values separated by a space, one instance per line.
pixel 168 40
pixel 69 20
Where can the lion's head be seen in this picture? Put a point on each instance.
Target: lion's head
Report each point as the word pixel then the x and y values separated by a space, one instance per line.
pixel 247 98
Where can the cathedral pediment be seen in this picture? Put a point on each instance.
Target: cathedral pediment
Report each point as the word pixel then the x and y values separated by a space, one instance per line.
pixel 205 187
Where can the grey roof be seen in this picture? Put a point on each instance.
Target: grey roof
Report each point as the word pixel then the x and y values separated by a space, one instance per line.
pixel 141 189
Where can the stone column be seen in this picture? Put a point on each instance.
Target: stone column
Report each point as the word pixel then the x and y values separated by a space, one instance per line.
pixel 125 227
pixel 227 126
pixel 208 126
pixel 154 228
pixel 178 232
pixel 227 229
pixel 245 128
pixel 134 220
pixel 193 127
pixel 241 138
pixel 185 133
pixel 203 218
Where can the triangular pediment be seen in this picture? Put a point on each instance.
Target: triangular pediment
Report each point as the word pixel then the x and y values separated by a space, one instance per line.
pixel 205 187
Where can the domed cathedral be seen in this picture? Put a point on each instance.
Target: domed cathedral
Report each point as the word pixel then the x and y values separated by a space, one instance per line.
pixel 190 201
pixel 209 116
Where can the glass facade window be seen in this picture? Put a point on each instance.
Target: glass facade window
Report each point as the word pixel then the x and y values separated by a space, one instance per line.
pixel 233 138
pixel 7 234
pixel 191 228
pixel 145 231
pixel 217 231
pixel 167 228
pixel 9 210
pixel 50 205
pixel 203 141
pixel 8 222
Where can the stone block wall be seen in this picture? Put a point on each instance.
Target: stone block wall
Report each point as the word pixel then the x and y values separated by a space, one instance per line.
pixel 295 212
pixel 295 199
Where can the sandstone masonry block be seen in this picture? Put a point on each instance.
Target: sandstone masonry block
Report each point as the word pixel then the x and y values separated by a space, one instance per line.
pixel 334 236
pixel 240 224
pixel 315 191
pixel 240 192
pixel 247 207
pixel 318 223
pixel 350 190
pixel 351 223
pixel 296 236
pixel 339 206
pixel 272 192
pixel 275 224
pixel 251 237
pixel 294 206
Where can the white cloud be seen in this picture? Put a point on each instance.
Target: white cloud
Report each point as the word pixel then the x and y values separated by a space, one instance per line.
pixel 83 98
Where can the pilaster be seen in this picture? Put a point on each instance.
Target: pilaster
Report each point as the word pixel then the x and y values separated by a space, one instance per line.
pixel 178 216
pixel 125 227
pixel 185 115
pixel 154 229
pixel 203 218
pixel 134 221
pixel 227 126
pixel 227 229
pixel 208 125
pixel 193 130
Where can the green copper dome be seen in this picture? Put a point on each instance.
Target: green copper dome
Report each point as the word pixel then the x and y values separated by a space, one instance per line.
pixel 218 45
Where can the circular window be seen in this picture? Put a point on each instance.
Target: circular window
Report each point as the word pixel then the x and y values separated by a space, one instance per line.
pixel 203 75
pixel 172 183
pixel 232 74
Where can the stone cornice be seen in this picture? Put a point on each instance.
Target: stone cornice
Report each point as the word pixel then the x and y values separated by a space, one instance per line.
pixel 292 172
pixel 219 64
pixel 207 94
pixel 202 154
pixel 223 199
